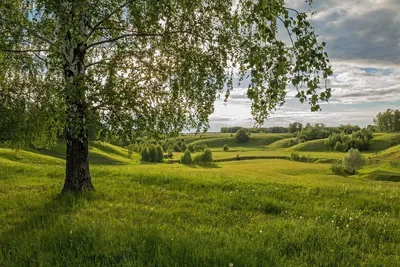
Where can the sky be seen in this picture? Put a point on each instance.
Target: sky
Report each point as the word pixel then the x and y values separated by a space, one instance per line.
pixel 363 44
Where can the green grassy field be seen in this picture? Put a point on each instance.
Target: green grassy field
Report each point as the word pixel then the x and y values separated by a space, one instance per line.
pixel 267 212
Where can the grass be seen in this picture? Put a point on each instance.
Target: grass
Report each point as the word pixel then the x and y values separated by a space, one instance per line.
pixel 256 142
pixel 248 213
pixel 314 145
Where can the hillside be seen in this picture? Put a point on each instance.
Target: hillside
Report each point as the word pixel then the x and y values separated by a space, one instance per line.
pixel 314 145
pixel 256 142
pixel 174 214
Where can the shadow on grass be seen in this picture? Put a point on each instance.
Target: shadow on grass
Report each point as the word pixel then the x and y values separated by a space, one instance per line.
pixel 203 166
pixel 44 216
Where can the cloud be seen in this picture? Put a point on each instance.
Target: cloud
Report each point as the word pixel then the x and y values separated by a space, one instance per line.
pixel 357 29
pixel 363 43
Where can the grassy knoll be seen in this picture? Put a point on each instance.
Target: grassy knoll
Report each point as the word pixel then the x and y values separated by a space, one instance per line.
pixel 314 145
pixel 383 141
pixel 249 213
pixel 256 142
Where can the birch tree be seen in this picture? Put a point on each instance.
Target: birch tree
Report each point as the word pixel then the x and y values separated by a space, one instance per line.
pixel 148 66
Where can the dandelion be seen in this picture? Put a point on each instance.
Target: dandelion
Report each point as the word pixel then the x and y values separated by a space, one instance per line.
pixel 333 221
pixel 260 231
pixel 347 225
pixel 301 217
pixel 231 264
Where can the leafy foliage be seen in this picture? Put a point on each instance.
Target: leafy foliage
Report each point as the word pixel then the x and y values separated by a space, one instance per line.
pixel 203 158
pixel 152 153
pixel 242 136
pixel 388 121
pixel 343 142
pixel 131 63
pixel 353 161
pixel 226 148
pixel 186 158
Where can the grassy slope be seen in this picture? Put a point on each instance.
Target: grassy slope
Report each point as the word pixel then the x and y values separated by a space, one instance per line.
pixel 314 145
pixel 382 141
pixel 256 142
pixel 261 212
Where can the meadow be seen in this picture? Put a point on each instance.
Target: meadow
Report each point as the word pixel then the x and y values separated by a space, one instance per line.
pixel 260 212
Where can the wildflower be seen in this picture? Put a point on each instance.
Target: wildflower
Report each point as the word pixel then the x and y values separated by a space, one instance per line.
pixel 347 225
pixel 260 231
pixel 231 264
pixel 70 232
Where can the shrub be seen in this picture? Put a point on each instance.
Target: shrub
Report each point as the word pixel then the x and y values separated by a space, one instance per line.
pixel 144 154
pixel 353 161
pixel 337 168
pixel 186 158
pixel 304 159
pixel 293 142
pixel 160 153
pixel 177 147
pixel 207 156
pixel 343 142
pixel 169 153
pixel 294 156
pixel 203 158
pixel 164 146
pixel 183 147
pixel 226 148
pixel 153 157
pixel 191 148
pixel 241 136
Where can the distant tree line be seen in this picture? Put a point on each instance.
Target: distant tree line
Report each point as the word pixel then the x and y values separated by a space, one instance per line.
pixel 277 129
pixel 388 121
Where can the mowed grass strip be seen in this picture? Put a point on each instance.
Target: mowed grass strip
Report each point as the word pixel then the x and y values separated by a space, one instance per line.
pixel 248 213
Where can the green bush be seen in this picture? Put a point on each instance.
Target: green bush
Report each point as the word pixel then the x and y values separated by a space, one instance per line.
pixel 293 142
pixel 160 153
pixel 152 153
pixel 144 152
pixel 169 153
pixel 186 158
pixel 204 157
pixel 177 147
pixel 343 142
pixel 241 136
pixel 294 156
pixel 183 147
pixel 337 168
pixel 226 148
pixel 153 157
pixel 353 161
pixel 191 148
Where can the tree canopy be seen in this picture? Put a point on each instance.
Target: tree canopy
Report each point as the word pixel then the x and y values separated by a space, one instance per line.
pixel 148 66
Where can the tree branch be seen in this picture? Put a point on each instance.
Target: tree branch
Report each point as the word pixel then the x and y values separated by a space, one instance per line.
pixel 290 35
pixel 291 9
pixel 94 28
pixel 24 51
pixel 138 34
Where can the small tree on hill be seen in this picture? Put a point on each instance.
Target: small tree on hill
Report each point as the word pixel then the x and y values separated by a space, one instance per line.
pixel 353 161
pixel 226 148
pixel 160 153
pixel 145 154
pixel 186 157
pixel 241 136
